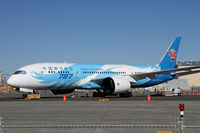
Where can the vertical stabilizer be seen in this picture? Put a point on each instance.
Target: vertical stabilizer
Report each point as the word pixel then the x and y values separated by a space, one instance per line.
pixel 168 61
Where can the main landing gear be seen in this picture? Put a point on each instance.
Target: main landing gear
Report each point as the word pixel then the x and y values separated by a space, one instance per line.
pixel 98 94
pixel 101 94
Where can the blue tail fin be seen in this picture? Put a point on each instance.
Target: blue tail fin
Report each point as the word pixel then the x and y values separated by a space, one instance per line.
pixel 169 59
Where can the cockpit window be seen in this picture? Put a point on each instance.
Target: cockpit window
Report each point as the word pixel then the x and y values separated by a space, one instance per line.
pixel 20 72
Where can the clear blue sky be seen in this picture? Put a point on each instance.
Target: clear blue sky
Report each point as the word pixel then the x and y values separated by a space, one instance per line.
pixel 96 31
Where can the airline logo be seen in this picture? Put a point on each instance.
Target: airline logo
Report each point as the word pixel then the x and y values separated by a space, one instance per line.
pixel 173 54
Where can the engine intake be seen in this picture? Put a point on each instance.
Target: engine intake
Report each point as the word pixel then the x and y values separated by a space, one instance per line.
pixel 115 85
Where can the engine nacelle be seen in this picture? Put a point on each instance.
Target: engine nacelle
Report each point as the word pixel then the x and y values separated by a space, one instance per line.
pixel 62 91
pixel 115 85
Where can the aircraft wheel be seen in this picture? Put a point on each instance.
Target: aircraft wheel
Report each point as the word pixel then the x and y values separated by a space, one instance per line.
pixel 97 94
pixel 128 94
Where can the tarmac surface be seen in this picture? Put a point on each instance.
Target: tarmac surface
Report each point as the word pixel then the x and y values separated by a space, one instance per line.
pixel 89 111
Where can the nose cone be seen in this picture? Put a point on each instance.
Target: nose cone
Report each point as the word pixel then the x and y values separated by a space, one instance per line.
pixel 12 81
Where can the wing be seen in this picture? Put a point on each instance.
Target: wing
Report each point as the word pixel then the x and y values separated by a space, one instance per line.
pixel 152 75
pixel 100 80
pixel 174 72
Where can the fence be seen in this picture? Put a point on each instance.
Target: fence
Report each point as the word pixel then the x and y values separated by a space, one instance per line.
pixel 179 126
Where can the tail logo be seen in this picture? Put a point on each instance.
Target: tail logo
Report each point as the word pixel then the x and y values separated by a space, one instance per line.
pixel 173 54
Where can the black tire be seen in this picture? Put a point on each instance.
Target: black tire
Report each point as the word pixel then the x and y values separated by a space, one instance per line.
pixel 98 94
pixel 128 94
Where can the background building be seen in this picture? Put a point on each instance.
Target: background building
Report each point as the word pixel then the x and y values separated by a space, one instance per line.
pixel 193 79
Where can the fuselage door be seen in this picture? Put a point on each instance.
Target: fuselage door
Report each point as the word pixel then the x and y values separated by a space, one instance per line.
pixel 75 72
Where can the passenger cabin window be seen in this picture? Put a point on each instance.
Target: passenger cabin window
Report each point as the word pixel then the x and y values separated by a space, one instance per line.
pixel 20 72
pixel 50 68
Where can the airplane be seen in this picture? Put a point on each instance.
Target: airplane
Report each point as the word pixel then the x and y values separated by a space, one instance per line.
pixel 107 79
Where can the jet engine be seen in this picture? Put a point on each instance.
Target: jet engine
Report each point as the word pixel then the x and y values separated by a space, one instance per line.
pixel 115 85
pixel 62 91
